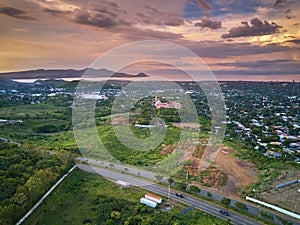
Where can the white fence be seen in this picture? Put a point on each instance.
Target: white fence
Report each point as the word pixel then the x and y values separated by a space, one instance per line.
pixel 45 196
pixel 289 213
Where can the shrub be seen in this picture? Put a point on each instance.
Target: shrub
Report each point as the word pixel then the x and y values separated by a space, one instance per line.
pixel 241 206
pixel 225 201
pixel 195 189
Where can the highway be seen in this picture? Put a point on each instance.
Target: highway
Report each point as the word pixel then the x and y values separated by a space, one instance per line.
pixel 121 167
pixel 189 200
pixel 252 209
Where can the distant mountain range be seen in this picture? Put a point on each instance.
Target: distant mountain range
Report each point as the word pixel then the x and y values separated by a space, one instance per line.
pixel 69 73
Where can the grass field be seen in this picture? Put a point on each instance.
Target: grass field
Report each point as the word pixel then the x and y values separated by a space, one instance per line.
pixel 36 118
pixel 89 199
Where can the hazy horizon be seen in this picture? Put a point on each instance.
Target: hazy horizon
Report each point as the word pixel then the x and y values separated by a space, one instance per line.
pixel 250 79
pixel 237 40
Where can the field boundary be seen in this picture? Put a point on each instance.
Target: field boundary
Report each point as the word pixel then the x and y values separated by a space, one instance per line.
pixel 45 196
pixel 276 208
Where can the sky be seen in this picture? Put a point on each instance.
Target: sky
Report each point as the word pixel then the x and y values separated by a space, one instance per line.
pixel 237 39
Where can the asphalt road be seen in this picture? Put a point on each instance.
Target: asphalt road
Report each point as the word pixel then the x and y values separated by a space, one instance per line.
pixel 123 168
pixel 189 200
pixel 10 141
pixel 254 210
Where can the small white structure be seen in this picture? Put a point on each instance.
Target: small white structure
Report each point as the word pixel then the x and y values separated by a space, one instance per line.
pixel 123 184
pixel 148 202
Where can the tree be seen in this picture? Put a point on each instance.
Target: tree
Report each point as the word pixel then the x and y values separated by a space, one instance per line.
pixel 241 206
pixel 266 215
pixel 86 221
pixel 170 181
pixel 134 220
pixel 111 165
pixel 159 178
pixel 180 186
pixel 109 222
pixel 209 195
pixel 284 222
pixel 225 201
pixel 228 221
pixel 195 189
pixel 147 221
pixel 20 199
pixel 115 215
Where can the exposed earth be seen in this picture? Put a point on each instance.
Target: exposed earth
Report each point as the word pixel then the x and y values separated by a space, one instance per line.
pixel 241 173
pixel 227 175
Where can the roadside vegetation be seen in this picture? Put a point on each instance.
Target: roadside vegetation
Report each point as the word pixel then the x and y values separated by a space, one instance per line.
pixel 89 199
pixel 25 175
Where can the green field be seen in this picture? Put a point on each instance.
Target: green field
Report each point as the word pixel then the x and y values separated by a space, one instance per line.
pixel 39 118
pixel 89 199
pixel 107 136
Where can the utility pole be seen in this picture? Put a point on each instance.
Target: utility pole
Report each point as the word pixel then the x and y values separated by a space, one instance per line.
pixel 186 178
pixel 169 189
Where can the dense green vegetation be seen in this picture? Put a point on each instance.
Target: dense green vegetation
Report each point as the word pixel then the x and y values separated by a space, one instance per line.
pixel 39 118
pixel 89 199
pixel 66 141
pixel 135 157
pixel 25 175
pixel 59 141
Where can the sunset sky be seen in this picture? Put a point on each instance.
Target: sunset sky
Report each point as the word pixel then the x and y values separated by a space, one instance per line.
pixel 237 39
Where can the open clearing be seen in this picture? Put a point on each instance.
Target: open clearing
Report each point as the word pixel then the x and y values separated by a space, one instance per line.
pixel 241 173
pixel 287 197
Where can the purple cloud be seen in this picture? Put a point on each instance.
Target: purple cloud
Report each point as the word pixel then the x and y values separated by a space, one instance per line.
pixel 99 18
pixel 15 13
pixel 256 28
pixel 208 23
pixel 279 2
pixel 151 15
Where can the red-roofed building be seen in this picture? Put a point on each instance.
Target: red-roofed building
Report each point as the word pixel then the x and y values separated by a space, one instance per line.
pixel 167 105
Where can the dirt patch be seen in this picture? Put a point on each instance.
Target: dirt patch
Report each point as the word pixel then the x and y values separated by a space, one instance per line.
pixel 167 149
pixel 241 173
pixel 286 197
pixel 213 177
pixel 228 174
pixel 119 120
pixel 190 125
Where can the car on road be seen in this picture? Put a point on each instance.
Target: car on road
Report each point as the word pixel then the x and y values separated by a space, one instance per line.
pixel 179 195
pixel 225 213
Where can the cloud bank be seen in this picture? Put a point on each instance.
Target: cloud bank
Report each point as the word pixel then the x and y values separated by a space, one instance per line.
pixel 256 28
pixel 15 13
